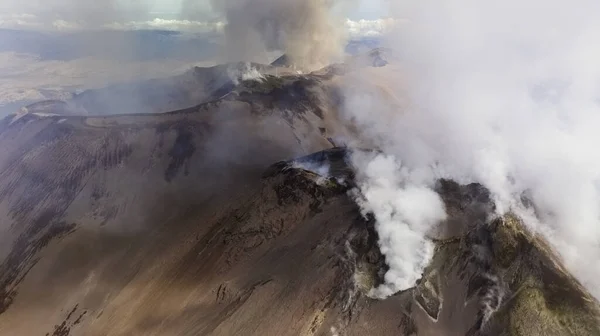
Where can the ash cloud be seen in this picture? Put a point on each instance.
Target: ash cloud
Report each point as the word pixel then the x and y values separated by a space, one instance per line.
pixel 505 94
pixel 306 30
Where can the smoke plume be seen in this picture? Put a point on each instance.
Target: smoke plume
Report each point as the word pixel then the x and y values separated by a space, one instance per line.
pixel 404 209
pixel 501 93
pixel 303 29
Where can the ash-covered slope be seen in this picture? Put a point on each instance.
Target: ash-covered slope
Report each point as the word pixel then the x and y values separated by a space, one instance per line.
pixel 123 175
pixel 195 86
pixel 263 260
pixel 292 255
pixel 179 224
pixel 489 274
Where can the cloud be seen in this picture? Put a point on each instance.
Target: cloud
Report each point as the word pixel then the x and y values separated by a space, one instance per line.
pixel 23 21
pixel 405 209
pixel 172 25
pixel 306 30
pixel 364 28
pixel 505 94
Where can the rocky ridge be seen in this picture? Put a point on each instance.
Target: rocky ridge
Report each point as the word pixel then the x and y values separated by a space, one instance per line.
pixel 179 223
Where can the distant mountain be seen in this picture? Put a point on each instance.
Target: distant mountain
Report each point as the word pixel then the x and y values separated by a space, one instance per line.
pixel 197 85
pixel 133 45
pixel 156 95
pixel 129 45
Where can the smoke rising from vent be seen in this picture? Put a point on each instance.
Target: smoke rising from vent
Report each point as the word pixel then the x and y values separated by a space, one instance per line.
pixel 246 72
pixel 405 209
pixel 505 94
pixel 304 29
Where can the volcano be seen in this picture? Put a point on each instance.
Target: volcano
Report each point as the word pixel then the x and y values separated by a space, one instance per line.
pixel 211 219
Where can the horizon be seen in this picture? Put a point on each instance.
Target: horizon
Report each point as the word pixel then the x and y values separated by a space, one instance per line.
pixel 85 45
pixel 60 15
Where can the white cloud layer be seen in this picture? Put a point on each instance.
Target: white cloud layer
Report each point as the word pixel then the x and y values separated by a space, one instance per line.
pixel 355 28
pixel 367 28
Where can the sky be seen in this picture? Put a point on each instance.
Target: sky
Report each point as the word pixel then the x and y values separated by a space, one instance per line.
pixel 128 10
pixel 364 17
pixel 366 9
pixel 369 10
pixel 27 59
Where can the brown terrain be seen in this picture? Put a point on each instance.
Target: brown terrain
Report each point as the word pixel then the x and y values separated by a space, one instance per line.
pixel 200 221
pixel 195 86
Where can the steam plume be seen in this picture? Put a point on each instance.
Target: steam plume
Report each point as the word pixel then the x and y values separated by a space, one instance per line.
pixel 304 29
pixel 505 94
pixel 405 209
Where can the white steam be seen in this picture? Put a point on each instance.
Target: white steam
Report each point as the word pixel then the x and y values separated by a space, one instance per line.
pixel 318 168
pixel 405 209
pixel 505 94
pixel 245 73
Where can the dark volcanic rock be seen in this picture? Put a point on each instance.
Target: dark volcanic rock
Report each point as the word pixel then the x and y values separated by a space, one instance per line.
pixel 128 175
pixel 180 224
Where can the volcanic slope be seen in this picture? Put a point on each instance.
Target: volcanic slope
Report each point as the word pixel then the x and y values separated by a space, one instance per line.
pixel 193 87
pixel 178 224
pixel 126 174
